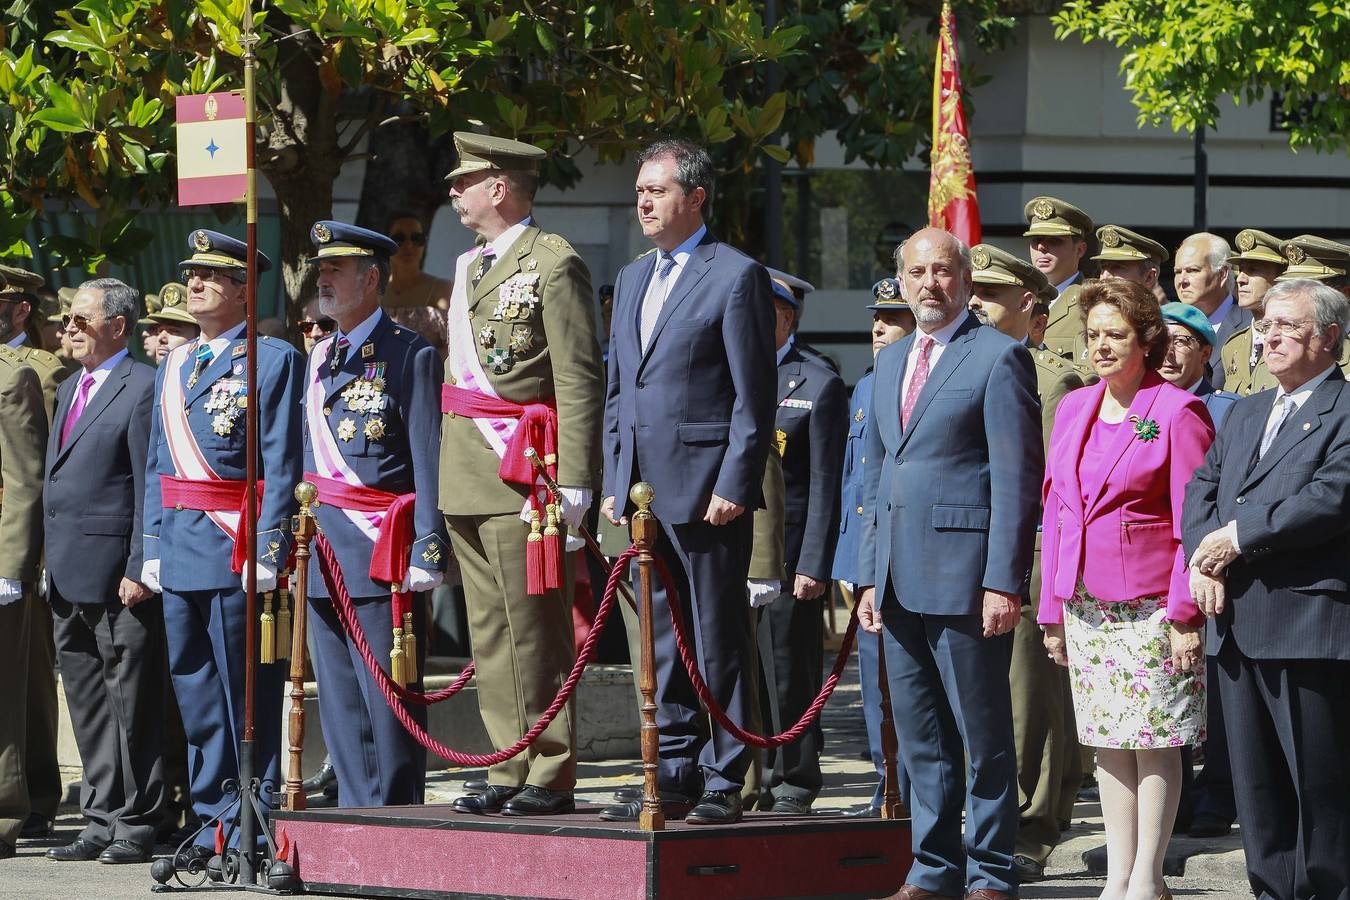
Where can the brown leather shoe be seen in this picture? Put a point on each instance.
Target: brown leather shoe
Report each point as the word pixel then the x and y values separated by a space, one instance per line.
pixel 914 892
pixel 988 894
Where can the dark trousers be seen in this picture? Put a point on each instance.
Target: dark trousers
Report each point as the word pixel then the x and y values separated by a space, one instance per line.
pixel 205 631
pixel 377 762
pixel 1289 730
pixel 794 632
pixel 949 691
pixel 708 564
pixel 1214 785
pixel 112 666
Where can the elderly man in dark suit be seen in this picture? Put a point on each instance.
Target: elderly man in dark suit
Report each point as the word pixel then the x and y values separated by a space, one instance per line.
pixel 109 626
pixel 1267 527
pixel 689 409
pixel 953 475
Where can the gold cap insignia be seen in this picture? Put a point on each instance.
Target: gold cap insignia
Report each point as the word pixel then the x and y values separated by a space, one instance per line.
pixel 1043 209
pixel 886 289
pixel 1294 253
pixel 979 258
pixel 321 233
pixel 173 295
pixel 201 240
pixel 1109 237
pixel 1246 241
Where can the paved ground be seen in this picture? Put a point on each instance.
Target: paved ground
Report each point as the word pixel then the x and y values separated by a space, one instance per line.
pixel 1213 868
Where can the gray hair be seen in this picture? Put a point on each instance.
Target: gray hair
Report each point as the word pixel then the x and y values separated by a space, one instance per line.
pixel 693 166
pixel 1217 252
pixel 365 263
pixel 119 299
pixel 1330 307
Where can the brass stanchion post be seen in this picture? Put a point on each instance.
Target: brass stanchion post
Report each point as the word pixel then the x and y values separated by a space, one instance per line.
pixel 304 529
pixel 644 538
pixel 892 806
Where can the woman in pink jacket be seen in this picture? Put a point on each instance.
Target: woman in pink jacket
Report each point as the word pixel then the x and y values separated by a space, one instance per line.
pixel 1116 604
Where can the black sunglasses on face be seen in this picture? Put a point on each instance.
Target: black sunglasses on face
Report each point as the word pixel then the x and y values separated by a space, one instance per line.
pixel 325 324
pixel 417 237
pixel 80 322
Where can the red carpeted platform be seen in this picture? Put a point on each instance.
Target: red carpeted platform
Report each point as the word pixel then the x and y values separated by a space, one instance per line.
pixel 432 851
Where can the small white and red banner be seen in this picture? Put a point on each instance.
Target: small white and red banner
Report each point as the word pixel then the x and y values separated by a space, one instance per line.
pixel 212 148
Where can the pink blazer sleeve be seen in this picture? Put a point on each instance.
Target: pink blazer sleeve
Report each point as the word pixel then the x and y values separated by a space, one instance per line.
pixel 1190 435
pixel 1051 608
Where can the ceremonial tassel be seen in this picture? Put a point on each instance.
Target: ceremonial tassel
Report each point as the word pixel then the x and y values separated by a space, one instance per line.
pixel 267 654
pixel 552 550
pixel 283 619
pixel 409 648
pixel 396 660
pixel 534 558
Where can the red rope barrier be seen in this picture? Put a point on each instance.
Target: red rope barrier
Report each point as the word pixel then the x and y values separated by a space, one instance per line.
pixel 705 695
pixel 337 588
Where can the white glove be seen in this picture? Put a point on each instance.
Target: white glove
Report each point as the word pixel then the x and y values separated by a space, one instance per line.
pixel 762 591
pixel 576 502
pixel 421 580
pixel 267 578
pixel 10 591
pixel 150 575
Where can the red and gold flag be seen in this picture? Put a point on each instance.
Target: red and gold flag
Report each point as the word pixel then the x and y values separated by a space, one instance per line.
pixel 951 183
pixel 212 148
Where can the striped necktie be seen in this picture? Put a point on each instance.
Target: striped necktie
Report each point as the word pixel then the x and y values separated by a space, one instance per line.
pixel 204 357
pixel 339 355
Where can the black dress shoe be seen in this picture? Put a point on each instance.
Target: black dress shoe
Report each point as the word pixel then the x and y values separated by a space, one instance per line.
pixel 36 826
pixel 6 849
pixel 476 785
pixel 195 855
pixel 1089 794
pixel 790 806
pixel 864 812
pixel 716 808
pixel 490 801
pixel 1028 869
pixel 628 794
pixel 78 850
pixel 537 801
pixel 321 780
pixel 1207 825
pixel 122 852
pixel 673 806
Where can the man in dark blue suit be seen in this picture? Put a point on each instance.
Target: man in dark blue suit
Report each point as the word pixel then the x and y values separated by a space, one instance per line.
pixel 372 445
pixel 194 499
pixel 1267 530
pixel 109 626
pixel 690 409
pixel 953 473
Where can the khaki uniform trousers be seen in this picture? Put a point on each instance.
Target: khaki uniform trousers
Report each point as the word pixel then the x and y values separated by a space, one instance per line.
pixel 523 649
pixel 14 638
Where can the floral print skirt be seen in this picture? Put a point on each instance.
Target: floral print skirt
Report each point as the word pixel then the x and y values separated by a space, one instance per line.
pixel 1127 695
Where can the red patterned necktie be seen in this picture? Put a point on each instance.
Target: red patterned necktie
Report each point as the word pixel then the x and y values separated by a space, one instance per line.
pixel 916 381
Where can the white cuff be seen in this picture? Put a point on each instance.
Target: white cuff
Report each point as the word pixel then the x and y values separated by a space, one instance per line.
pixel 762 591
pixel 421 579
pixel 150 575
pixel 1230 532
pixel 267 578
pixel 576 501
pixel 11 590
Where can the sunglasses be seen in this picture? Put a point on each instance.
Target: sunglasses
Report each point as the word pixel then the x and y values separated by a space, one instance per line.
pixel 417 237
pixel 208 274
pixel 325 324
pixel 80 322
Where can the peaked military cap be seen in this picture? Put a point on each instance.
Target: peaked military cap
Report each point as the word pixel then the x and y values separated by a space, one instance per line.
pixel 14 280
pixel 484 152
pixel 1310 256
pixel 1052 216
pixel 65 296
pixel 1122 244
pixel 152 304
pixel 220 251
pixel 990 265
pixel 173 305
pixel 1257 246
pixel 794 283
pixel 1193 318
pixel 339 239
pixel 782 292
pixel 888 294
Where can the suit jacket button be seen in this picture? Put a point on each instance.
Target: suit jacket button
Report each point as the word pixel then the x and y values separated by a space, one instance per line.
pixel 51 514
pixel 863 461
pixel 451 414
pixel 178 506
pixel 451 379
pixel 1240 499
pixel 641 385
pixel 327 410
pixel 860 509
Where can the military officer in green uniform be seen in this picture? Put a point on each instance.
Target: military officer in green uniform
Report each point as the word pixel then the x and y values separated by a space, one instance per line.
pixel 1258 262
pixel 1005 294
pixel 522 370
pixel 18 306
pixel 1322 260
pixel 23 441
pixel 1058 233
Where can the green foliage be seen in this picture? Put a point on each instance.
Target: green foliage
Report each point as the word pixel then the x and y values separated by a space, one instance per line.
pixel 1183 55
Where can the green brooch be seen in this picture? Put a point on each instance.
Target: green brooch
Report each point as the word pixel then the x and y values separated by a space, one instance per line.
pixel 1145 430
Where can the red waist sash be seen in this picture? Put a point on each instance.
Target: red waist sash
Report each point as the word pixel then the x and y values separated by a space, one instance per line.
pixel 210 495
pixel 389 559
pixel 538 428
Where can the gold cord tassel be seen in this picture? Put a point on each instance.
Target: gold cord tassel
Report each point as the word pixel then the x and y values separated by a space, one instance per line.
pixel 267 629
pixel 409 648
pixel 283 623
pixel 397 673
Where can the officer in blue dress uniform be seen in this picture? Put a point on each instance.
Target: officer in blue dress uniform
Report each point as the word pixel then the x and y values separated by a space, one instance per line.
pixel 372 394
pixel 194 482
pixel 892 319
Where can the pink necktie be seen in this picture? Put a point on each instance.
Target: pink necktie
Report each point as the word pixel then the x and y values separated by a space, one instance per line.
pixel 77 408
pixel 916 380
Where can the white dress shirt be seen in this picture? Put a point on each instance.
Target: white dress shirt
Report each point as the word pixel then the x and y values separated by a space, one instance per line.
pixel 100 374
pixel 942 337
pixel 358 335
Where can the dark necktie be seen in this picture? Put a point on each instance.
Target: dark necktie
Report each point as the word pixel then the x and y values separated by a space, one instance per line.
pixel 204 357
pixel 485 261
pixel 339 356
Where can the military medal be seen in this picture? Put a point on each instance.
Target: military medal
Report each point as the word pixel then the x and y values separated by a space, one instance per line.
pixel 222 424
pixel 532 265
pixel 374 429
pixel 346 429
pixel 522 338
pixel 486 337
pixel 858 416
pixel 499 360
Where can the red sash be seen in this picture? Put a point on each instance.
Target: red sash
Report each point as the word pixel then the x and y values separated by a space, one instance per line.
pixel 210 495
pixel 389 559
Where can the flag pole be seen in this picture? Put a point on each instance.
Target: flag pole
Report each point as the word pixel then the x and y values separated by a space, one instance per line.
pixel 247 824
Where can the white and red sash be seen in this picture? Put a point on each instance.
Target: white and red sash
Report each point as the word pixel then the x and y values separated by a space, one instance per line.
pixel 188 461
pixel 328 459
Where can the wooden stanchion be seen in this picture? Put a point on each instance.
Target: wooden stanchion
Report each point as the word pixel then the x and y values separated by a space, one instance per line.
pixel 304 530
pixel 892 805
pixel 644 538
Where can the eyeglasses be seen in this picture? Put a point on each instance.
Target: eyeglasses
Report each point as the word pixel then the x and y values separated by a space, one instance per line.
pixel 1184 342
pixel 1284 327
pixel 207 274
pixel 417 237
pixel 81 323
pixel 325 324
